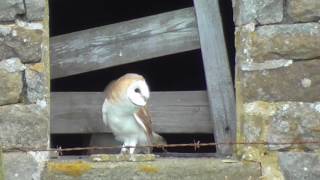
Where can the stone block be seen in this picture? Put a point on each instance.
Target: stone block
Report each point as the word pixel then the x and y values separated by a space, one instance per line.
pixel 300 166
pixel 21 40
pixel 273 42
pixel 1 166
pixel 261 11
pixel 24 166
pixel 24 126
pixel 10 9
pixel 36 84
pixel 11 83
pixel 35 9
pixel 299 81
pixel 303 10
pixel 284 122
pixel 160 169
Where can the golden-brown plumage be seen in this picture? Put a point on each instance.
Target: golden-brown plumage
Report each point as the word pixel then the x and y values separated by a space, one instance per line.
pixel 115 90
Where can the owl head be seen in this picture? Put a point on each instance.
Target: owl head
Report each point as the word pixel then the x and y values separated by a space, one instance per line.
pixel 129 87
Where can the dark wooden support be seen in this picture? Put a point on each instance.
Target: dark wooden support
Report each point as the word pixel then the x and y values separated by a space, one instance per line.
pixel 218 77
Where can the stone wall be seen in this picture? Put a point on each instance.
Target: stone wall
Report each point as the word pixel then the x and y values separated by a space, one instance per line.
pixel 1 166
pixel 278 85
pixel 24 86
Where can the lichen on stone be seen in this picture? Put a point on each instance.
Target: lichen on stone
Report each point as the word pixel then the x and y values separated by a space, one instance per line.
pixel 260 108
pixel 268 64
pixel 148 169
pixel 75 169
pixel 12 65
pixel 281 122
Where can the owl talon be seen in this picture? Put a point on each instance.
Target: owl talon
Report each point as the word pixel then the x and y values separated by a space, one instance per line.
pixel 131 150
pixel 123 152
pixel 132 158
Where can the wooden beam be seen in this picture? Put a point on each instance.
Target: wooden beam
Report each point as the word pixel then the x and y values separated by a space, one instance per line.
pixel 217 71
pixel 172 112
pixel 124 42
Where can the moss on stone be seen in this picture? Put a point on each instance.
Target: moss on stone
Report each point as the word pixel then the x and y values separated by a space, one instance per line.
pixel 148 169
pixel 161 169
pixel 75 169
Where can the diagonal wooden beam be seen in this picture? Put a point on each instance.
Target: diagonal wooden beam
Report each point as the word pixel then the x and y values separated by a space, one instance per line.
pixel 123 43
pixel 217 71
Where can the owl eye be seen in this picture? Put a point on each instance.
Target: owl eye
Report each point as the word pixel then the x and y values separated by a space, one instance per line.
pixel 137 90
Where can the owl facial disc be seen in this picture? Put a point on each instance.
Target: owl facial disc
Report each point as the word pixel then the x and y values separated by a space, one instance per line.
pixel 138 93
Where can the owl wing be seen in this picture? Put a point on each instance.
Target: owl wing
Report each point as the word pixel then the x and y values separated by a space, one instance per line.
pixel 143 118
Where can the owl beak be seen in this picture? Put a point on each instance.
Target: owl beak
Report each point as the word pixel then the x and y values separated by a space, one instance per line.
pixel 144 98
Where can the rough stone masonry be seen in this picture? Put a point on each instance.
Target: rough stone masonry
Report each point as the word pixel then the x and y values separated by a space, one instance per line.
pixel 278 85
pixel 24 86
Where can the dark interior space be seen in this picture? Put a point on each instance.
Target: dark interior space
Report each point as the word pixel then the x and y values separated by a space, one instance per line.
pixel 70 16
pixel 70 141
pixel 187 139
pixel 229 29
pixel 178 72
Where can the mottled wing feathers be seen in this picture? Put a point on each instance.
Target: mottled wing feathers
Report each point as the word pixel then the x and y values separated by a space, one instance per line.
pixel 145 116
pixel 144 119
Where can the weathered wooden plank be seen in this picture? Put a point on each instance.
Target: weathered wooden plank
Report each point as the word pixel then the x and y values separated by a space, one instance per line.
pixel 124 42
pixel 172 112
pixel 217 71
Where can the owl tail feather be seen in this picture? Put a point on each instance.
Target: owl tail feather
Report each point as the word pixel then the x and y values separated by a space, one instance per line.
pixel 157 139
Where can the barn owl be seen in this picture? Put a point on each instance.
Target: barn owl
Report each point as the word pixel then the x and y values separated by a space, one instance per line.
pixel 124 110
